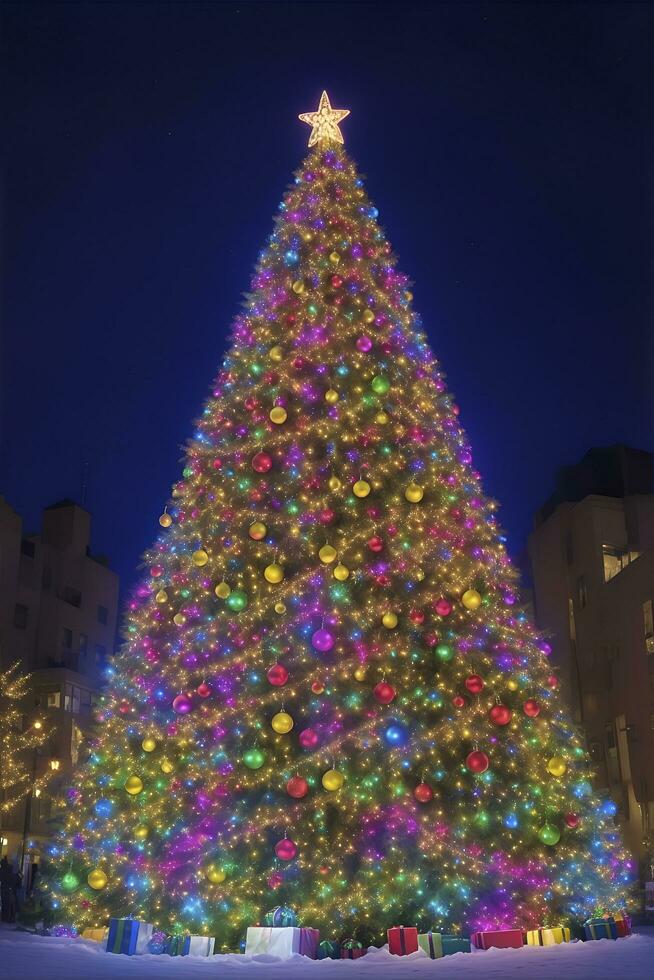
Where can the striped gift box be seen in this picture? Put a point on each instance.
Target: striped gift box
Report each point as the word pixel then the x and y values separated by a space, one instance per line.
pixel 432 944
pixel 128 936
pixel 548 937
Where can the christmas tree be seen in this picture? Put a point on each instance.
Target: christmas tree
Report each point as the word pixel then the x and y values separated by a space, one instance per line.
pixel 328 696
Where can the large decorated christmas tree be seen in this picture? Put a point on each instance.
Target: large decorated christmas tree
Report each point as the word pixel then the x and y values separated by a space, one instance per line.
pixel 328 696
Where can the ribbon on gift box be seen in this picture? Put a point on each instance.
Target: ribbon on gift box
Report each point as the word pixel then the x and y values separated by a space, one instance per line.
pixel 402 940
pixel 548 937
pixel 432 944
pixel 351 949
pixel 128 936
pixel 329 949
pixel 623 924
pixel 280 916
pixel 601 928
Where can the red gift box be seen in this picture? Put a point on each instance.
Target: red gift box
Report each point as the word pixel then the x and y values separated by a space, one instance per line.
pixel 402 940
pixel 623 923
pixel 501 939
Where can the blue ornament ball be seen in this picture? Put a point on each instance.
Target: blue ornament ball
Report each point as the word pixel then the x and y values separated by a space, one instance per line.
pixel 396 734
pixel 103 808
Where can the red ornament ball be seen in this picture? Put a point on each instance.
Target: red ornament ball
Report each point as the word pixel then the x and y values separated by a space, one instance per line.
pixel 417 616
pixel 285 849
pixel 474 684
pixel 384 692
pixel 477 761
pixel 317 687
pixel 423 793
pixel 571 820
pixel 275 879
pixel 123 708
pixel 375 543
pixel 499 714
pixel 203 690
pixel 182 704
pixel 262 462
pixel 531 708
pixel 443 607
pixel 553 681
pixel 337 282
pixel 308 738
pixel 297 787
pixel 326 516
pixel 459 701
pixel 277 675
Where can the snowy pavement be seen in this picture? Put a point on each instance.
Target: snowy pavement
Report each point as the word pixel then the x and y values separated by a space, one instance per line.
pixel 27 957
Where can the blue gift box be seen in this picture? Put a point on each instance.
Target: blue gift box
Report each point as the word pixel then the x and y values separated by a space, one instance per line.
pixel 455 944
pixel 128 936
pixel 601 929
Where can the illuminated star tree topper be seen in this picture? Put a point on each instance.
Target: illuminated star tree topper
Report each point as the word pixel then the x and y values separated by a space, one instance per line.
pixel 324 122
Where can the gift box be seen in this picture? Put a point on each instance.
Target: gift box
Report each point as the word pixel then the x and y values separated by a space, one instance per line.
pixel 96 935
pixel 402 940
pixel 601 929
pixel 352 949
pixel 623 924
pixel 128 936
pixel 190 945
pixel 548 937
pixel 329 949
pixel 283 941
pixel 499 938
pixel 432 944
pixel 455 944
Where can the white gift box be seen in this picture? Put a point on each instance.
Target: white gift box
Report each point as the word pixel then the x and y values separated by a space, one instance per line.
pixel 199 946
pixel 281 941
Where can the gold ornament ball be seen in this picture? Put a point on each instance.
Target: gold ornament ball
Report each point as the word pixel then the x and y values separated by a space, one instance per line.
pixel 161 596
pixel 280 608
pixel 389 620
pixel 200 557
pixel 327 554
pixel 414 493
pixel 334 257
pixel 333 780
pixel 141 832
pixel 166 766
pixel 215 874
pixel 331 396
pixel 273 573
pixel 368 316
pixel 471 599
pixel 334 483
pixel 361 488
pixel 512 685
pixel 282 722
pixel 165 520
pixel 557 766
pixel 298 287
pixel 341 572
pixel 133 785
pixel 307 236
pixel 276 353
pixel 179 619
pixel 278 415
pixel 97 879
pixel 148 744
pixel 381 418
pixel 419 575
pixel 257 531
pixel 360 673
pixel 408 295
pixel 222 590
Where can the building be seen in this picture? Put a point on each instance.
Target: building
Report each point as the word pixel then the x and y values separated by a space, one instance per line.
pixel 58 612
pixel 592 562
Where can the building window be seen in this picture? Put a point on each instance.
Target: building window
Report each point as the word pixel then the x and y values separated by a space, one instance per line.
pixel 103 615
pixel 83 644
pixel 20 616
pixel 27 548
pixel 85 700
pixel 67 638
pixel 100 653
pixel 54 699
pixel 72 596
pixel 616 560
pixel 582 592
pixel 75 703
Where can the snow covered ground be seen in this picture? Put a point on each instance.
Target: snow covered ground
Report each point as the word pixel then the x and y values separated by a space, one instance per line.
pixel 27 957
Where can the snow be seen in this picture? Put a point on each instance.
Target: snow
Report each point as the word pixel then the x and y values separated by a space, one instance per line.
pixel 27 957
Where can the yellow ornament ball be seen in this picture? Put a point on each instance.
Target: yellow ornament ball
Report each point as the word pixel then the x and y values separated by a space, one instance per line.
pixel 276 353
pixel 408 295
pixel 332 780
pixel 165 520
pixel 161 596
pixel 280 608
pixel 257 531
pixel 327 554
pixel 361 488
pixel 331 396
pixel 414 493
pixel 512 685
pixel 419 575
pixel 360 673
pixel 368 316
pixel 334 257
pixel 273 573
pixel 166 766
pixel 222 590
pixel 200 557
pixel 148 744
pixel 141 832
pixel 381 418
pixel 282 722
pixel 389 620
pixel 298 286
pixel 179 619
pixel 471 599
pixel 215 874
pixel 334 483
pixel 133 785
pixel 557 766
pixel 341 572
pixel 97 879
pixel 278 415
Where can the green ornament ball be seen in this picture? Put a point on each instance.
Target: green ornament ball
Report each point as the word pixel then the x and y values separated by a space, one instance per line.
pixel 237 600
pixel 70 881
pixel 380 384
pixel 549 834
pixel 254 758
pixel 444 652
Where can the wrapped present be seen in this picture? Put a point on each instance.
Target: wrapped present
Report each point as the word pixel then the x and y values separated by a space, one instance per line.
pixel 601 929
pixel 280 916
pixel 281 941
pixel 352 949
pixel 96 935
pixel 455 944
pixel 158 943
pixel 623 924
pixel 190 945
pixel 548 937
pixel 129 936
pixel 499 938
pixel 402 940
pixel 432 944
pixel 329 949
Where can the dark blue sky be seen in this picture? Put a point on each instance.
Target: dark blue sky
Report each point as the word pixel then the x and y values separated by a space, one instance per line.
pixel 146 147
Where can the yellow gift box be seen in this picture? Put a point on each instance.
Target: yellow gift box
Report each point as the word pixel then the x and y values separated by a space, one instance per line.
pixel 548 937
pixel 96 935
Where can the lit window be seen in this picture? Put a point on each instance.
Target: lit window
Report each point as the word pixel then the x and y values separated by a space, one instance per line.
pixel 616 560
pixel 54 764
pixel 648 623
pixel 54 699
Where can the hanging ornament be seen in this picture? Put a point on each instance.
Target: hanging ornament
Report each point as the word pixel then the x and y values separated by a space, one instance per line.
pixel 396 735
pixel 381 418
pixel 133 785
pixel 341 572
pixel 215 874
pixel 165 520
pixel 222 590
pixel 375 543
pixel 384 692
pixel 334 257
pixel 360 673
pixel 322 640
pixel 297 787
pixel 285 849
pixel 327 554
pixel 308 738
pixel 443 607
pixel 70 882
pixel 262 462
pixel 148 744
pixel 257 530
pixel 97 879
pixel 275 880
pixel 444 652
pixel 182 704
pixel 380 384
pixel 166 766
pixel 389 620
pixel 254 758
pixel 298 287
pixel 276 353
pixel 331 397
pixel 512 684
pixel 203 690
pixel 474 683
pixel 317 687
pixel 277 675
pixel 572 820
pixel 459 701
pixel 549 834
pixel 557 766
pixel 334 483
pixel 278 415
pixel 553 681
pixel 332 780
pixel 477 761
pixel 531 708
pixel 414 493
pixel 273 573
pixel 161 596
pixel 471 599
pixel 499 714
pixel 237 600
pixel 280 608
pixel 282 723
pixel 361 488
pixel 368 316
pixel 141 832
pixel 423 793
pixel 200 557
pixel 179 619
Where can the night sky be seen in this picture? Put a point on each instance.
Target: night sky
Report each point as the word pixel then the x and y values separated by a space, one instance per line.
pixel 146 147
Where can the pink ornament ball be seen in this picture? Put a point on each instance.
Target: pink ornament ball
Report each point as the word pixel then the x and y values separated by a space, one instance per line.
pixel 572 820
pixel 275 880
pixel 322 640
pixel 285 849
pixel 203 690
pixel 477 761
pixel 277 675
pixel 364 344
pixel 262 462
pixel 474 684
pixel 553 681
pixel 459 701
pixel 308 738
pixel 182 704
pixel 443 607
